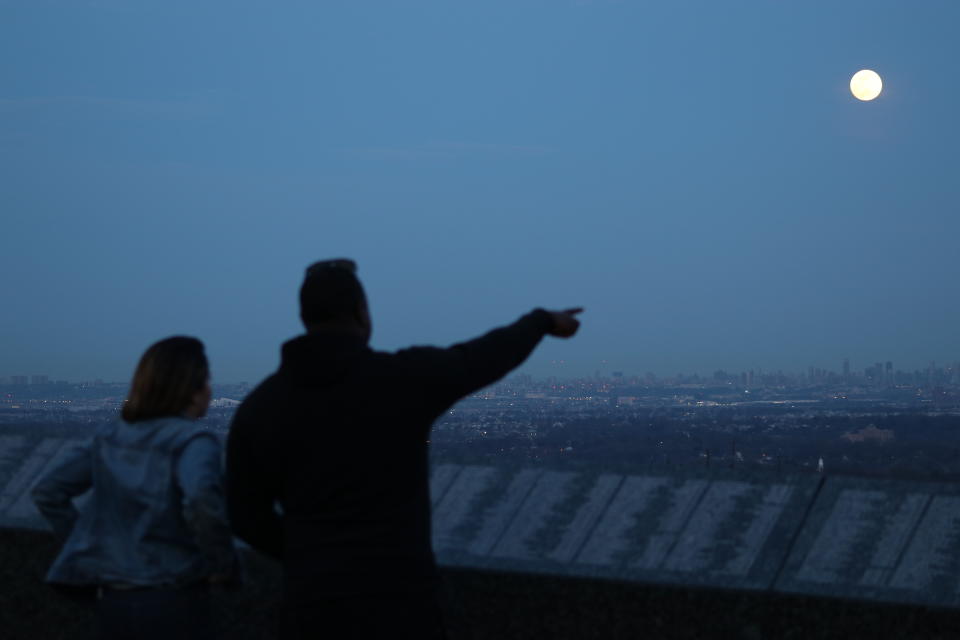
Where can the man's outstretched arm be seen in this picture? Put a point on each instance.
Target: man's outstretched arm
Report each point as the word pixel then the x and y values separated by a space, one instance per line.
pixel 468 366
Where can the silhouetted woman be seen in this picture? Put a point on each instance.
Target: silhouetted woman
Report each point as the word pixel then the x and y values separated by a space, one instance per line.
pixel 153 533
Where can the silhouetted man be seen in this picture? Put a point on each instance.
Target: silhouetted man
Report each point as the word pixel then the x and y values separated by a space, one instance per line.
pixel 337 438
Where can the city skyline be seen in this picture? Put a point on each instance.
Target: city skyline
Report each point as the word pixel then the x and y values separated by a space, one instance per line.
pixel 883 370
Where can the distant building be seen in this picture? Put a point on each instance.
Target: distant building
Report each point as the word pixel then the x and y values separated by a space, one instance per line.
pixel 39 380
pixel 870 433
pixel 18 380
pixel 224 403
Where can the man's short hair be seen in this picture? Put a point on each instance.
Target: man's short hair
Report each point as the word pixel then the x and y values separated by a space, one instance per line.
pixel 330 292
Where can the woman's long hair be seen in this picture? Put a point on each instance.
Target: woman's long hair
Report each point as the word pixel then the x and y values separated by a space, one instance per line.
pixel 169 374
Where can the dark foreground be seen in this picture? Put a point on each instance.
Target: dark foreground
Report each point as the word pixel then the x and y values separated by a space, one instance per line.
pixel 481 605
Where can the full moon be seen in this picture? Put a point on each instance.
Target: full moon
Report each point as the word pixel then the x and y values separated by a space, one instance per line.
pixel 866 84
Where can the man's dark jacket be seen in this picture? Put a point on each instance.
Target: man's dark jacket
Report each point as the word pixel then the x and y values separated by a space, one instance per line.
pixel 338 438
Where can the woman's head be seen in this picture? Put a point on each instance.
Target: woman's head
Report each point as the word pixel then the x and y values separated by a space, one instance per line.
pixel 172 379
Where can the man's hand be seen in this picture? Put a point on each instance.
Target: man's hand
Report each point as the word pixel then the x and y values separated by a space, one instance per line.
pixel 565 323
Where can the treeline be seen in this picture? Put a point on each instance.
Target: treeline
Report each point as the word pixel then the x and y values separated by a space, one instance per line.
pixel 908 445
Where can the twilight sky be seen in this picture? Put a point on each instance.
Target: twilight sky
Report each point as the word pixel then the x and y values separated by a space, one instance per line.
pixel 696 174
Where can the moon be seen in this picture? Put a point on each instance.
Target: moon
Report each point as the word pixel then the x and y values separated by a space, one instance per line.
pixel 866 85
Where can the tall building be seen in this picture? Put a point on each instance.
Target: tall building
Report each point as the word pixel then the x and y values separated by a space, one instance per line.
pixel 39 380
pixel 846 369
pixel 18 380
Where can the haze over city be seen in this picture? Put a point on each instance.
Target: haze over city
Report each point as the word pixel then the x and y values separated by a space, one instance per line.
pixel 697 175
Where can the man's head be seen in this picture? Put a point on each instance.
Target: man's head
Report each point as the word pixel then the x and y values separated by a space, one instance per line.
pixel 331 297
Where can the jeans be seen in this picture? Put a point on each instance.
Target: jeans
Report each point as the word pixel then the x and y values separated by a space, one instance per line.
pixel 364 618
pixel 155 614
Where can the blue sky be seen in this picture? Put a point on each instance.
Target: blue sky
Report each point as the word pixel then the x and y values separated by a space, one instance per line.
pixel 696 174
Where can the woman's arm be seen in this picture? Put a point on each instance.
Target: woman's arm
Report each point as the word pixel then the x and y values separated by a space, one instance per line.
pixel 200 477
pixel 53 494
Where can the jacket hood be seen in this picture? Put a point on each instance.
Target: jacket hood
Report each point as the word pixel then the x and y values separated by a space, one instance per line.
pixel 145 431
pixel 321 359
